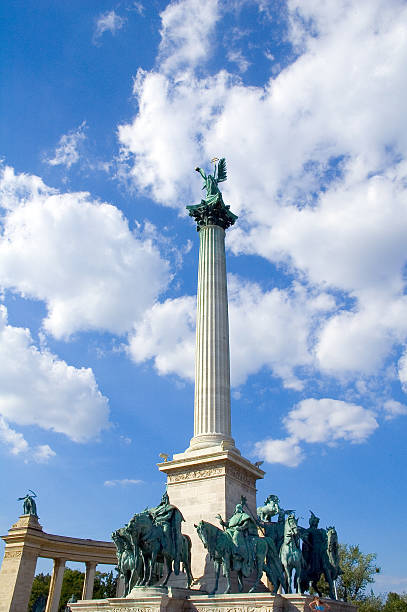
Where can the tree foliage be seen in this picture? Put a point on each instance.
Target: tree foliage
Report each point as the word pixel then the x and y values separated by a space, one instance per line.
pixel 358 571
pixel 40 587
pixel 104 586
pixel 378 603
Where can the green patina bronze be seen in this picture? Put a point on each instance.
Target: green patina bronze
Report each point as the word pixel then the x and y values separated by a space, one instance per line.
pixel 321 555
pixel 239 548
pixel 150 540
pixel 29 505
pixel 212 210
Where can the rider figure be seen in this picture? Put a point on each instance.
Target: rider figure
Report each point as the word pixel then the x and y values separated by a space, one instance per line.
pixel 169 518
pixel 242 528
pixel 314 545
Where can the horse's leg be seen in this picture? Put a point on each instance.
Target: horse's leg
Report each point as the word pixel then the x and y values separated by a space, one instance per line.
pixel 298 578
pixel 168 563
pixel 226 567
pixel 150 568
pixel 290 579
pixel 329 580
pixel 216 564
pixel 240 580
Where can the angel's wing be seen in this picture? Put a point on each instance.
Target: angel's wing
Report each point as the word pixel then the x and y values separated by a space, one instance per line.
pixel 222 170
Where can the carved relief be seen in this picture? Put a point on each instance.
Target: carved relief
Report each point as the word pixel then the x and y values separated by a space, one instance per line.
pixel 196 474
pixel 122 609
pixel 235 609
pixel 13 554
pixel 241 476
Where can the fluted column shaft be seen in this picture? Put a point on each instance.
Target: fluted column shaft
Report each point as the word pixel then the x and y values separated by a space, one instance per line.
pixel 212 364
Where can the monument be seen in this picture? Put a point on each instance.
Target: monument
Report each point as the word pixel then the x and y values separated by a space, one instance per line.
pixel 207 483
pixel 210 476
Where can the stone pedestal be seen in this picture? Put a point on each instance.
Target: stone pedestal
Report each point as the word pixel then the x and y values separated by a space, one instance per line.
pixel 178 601
pixel 203 484
pixel 18 567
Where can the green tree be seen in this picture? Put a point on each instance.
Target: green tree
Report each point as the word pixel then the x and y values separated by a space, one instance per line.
pixel 105 585
pixel 40 587
pixel 396 603
pixel 358 571
pixel 371 603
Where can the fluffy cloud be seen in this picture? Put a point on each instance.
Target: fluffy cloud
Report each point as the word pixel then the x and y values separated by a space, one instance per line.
pixel 324 421
pixel 108 22
pixel 393 409
pixel 325 191
pixel 186 31
pixel 266 330
pixel 76 254
pixel 122 482
pixel 67 152
pixel 167 335
pixel 37 388
pixel 287 452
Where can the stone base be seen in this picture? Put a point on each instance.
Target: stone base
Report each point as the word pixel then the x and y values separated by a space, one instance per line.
pixel 204 483
pixel 175 600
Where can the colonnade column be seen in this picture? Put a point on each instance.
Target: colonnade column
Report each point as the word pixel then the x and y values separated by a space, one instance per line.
pixel 87 591
pixel 55 586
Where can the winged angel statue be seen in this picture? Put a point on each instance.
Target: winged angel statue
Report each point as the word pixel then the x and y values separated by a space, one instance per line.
pixel 213 210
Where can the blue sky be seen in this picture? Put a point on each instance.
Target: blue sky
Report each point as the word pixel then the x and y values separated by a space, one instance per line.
pixel 106 109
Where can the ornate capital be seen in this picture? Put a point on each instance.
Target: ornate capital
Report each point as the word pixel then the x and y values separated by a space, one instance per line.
pixel 212 214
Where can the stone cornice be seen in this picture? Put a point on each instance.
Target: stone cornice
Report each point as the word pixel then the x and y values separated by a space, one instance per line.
pixel 214 214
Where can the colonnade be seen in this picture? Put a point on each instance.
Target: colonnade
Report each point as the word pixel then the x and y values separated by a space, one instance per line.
pixel 25 542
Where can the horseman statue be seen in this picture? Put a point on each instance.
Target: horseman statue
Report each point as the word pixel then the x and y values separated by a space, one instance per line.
pixel 169 517
pixel 314 545
pixel 320 555
pixel 242 528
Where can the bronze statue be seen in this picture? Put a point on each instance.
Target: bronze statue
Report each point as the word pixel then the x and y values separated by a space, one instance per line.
pixel 242 528
pixel 291 555
pixel 169 518
pixel 320 552
pixel 226 554
pixel 129 565
pixel 148 537
pixel 29 505
pixel 212 210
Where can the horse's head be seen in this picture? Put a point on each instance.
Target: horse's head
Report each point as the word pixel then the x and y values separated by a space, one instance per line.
pixel 202 532
pixel 291 524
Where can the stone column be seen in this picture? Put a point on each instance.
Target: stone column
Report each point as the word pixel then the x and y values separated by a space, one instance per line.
pixel 87 591
pixel 56 585
pixel 212 423
pixel 18 567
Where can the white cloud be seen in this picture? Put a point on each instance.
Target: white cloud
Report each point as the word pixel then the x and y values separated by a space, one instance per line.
pixel 317 172
pixel 122 482
pixel 167 335
pixel 66 153
pixel 394 409
pixel 12 438
pixel 37 388
pixel 402 370
pixel 43 453
pixel 323 421
pixel 328 420
pixel 287 452
pixel 108 22
pixel 78 255
pixel 186 31
pixel 267 329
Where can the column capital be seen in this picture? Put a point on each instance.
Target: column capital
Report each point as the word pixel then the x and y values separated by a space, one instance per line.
pixel 212 214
